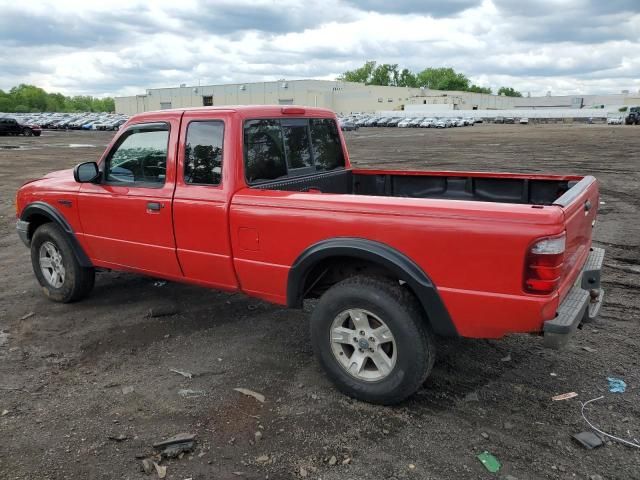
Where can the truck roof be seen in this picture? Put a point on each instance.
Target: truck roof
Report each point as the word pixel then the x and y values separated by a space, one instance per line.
pixel 249 110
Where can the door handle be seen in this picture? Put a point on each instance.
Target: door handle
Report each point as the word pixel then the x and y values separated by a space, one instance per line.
pixel 154 206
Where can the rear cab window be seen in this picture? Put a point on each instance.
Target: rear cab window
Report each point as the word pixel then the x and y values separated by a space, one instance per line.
pixel 290 147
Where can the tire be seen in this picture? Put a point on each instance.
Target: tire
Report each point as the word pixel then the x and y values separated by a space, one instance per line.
pixel 66 280
pixel 27 132
pixel 373 302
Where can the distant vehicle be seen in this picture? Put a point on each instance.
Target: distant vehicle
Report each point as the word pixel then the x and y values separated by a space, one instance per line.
pixel 634 116
pixel 469 121
pixel 478 120
pixel 405 123
pixel 347 126
pixel 427 123
pixel 615 120
pixel 10 126
pixel 524 121
pixel 509 120
pixel 440 123
pixel 458 122
pixel 499 120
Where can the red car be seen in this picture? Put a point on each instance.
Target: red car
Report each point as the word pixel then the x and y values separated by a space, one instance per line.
pixel 263 200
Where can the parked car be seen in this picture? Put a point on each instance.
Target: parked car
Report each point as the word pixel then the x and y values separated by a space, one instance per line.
pixel 499 120
pixel 469 121
pixel 10 126
pixel 523 121
pixel 393 258
pixel 428 123
pixel 405 123
pixel 615 120
pixel 633 117
pixel 347 126
pixel 509 120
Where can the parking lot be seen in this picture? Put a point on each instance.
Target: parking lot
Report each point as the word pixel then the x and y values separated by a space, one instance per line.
pixel 86 388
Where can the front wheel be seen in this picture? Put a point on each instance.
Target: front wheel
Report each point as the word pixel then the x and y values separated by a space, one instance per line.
pixel 372 339
pixel 27 132
pixel 56 267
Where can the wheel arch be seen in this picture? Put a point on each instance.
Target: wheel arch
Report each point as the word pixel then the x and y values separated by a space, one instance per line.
pixel 375 254
pixel 38 213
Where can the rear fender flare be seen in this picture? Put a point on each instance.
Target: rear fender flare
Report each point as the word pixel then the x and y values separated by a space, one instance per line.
pixel 396 262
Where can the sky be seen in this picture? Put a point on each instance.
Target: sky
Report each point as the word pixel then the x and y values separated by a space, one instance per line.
pixel 114 47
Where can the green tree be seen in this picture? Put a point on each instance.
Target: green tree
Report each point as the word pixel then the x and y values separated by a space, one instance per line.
pixel 407 79
pixel 444 78
pixel 478 89
pixel 509 92
pixel 29 98
pixel 384 74
pixel 359 75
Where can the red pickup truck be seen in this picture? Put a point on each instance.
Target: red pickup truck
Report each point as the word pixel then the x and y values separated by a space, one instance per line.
pixel 263 200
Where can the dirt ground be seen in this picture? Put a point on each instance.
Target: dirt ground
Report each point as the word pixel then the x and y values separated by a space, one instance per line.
pixel 72 376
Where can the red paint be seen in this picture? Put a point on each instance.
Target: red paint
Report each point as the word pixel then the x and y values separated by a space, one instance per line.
pixel 237 238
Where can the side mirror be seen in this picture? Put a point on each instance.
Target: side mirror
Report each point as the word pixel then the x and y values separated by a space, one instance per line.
pixel 86 172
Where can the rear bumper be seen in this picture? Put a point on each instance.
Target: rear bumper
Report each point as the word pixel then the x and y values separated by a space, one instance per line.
pixel 581 305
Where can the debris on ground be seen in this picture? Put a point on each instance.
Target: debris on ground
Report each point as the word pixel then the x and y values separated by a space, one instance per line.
pixel 147 466
pixel 412 466
pixel 174 447
pixel 506 359
pixel 333 460
pixel 188 375
pixel 118 438
pixel 588 349
pixel 4 338
pixel 160 470
pixel 258 436
pixel 163 311
pixel 5 412
pixel 27 315
pixel 263 459
pixel 629 443
pixel 616 385
pixel 127 390
pixel 484 435
pixel 490 462
pixel 564 396
pixel 159 283
pixel 189 393
pixel 588 440
pixel 258 396
pixel 472 397
pixel 303 472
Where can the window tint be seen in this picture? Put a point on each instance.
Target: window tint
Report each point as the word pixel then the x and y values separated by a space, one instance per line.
pixel 264 152
pixel 203 153
pixel 327 149
pixel 288 147
pixel 141 158
pixel 296 143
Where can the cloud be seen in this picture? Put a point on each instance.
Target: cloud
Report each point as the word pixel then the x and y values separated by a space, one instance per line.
pixel 127 46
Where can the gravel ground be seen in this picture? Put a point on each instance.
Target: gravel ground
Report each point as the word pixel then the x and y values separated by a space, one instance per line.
pixel 72 376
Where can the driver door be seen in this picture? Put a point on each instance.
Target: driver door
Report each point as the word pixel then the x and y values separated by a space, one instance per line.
pixel 127 217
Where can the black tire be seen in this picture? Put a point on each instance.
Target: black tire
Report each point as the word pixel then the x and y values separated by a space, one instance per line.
pixel 27 132
pixel 78 281
pixel 403 315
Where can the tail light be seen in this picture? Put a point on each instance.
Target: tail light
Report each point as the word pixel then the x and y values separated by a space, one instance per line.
pixel 544 265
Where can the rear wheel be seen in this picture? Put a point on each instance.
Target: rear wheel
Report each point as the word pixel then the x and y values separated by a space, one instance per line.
pixel 56 267
pixel 27 132
pixel 373 340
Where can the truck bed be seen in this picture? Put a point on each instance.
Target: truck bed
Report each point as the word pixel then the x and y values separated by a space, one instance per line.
pixel 475 186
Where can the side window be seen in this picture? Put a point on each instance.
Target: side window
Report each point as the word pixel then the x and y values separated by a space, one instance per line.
pixel 264 151
pixel 327 149
pixel 203 153
pixel 140 157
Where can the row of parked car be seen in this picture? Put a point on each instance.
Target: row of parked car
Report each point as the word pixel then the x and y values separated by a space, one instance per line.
pixel 66 121
pixel 354 122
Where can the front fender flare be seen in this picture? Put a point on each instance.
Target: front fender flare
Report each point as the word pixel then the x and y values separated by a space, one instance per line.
pixel 388 257
pixel 46 210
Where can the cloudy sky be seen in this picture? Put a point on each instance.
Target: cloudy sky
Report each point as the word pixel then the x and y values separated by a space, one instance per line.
pixel 118 47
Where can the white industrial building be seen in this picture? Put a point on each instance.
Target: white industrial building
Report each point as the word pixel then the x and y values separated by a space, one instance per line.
pixel 349 97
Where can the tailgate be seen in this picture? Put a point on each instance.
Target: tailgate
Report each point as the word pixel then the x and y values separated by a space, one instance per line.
pixel 580 205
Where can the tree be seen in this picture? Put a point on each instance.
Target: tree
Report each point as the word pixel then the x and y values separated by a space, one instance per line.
pixel 384 74
pixel 407 79
pixel 477 89
pixel 359 75
pixel 444 78
pixel 509 92
pixel 29 98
